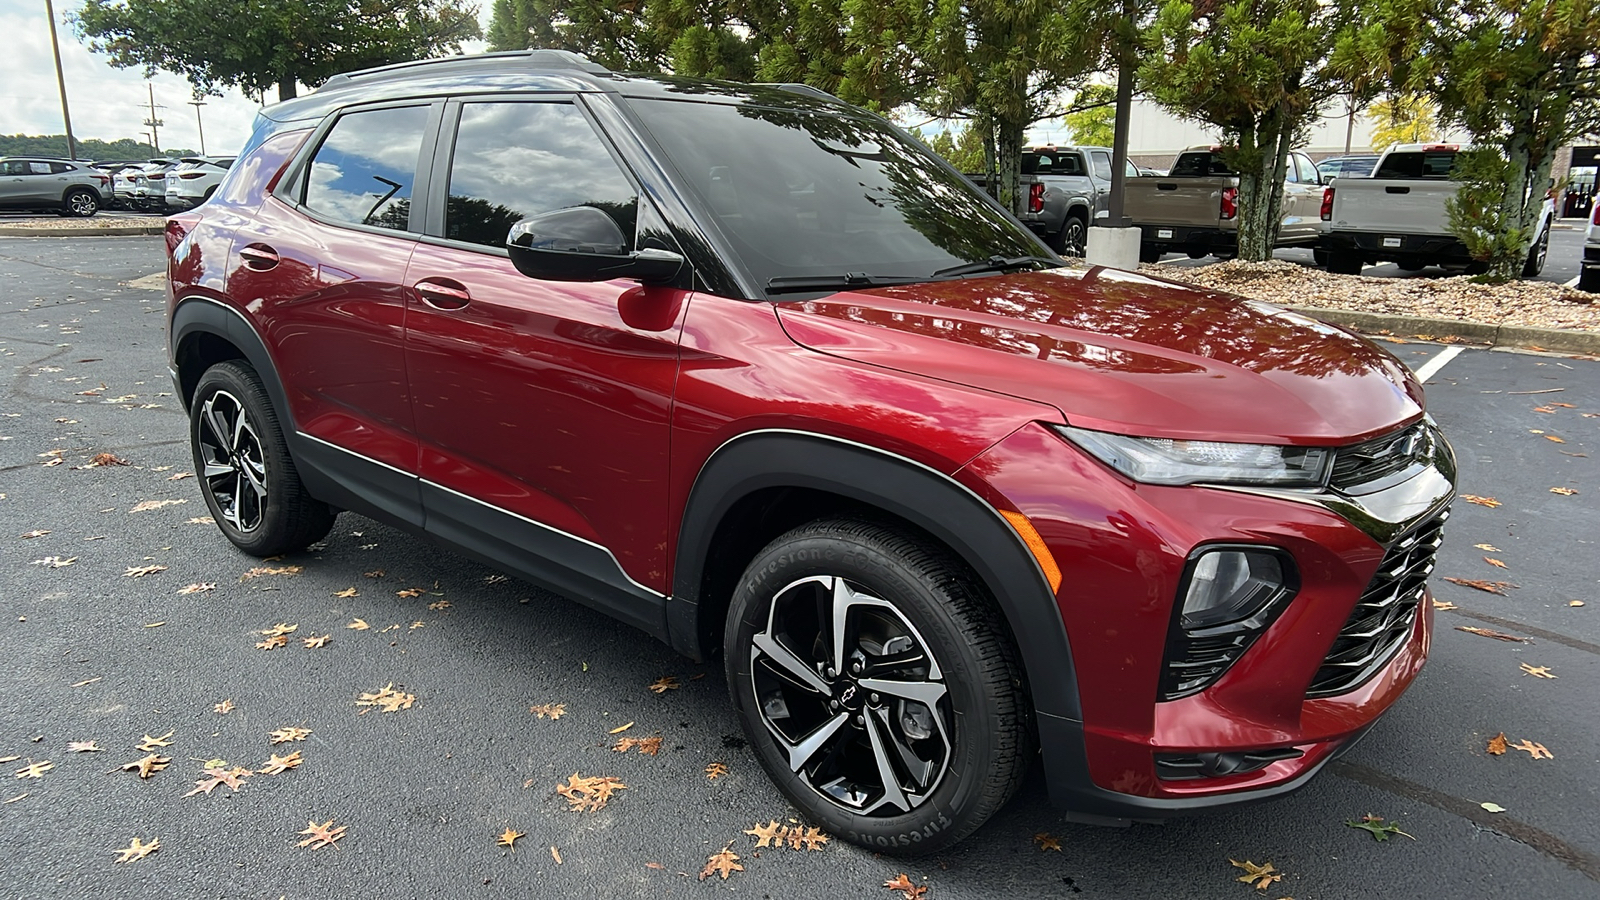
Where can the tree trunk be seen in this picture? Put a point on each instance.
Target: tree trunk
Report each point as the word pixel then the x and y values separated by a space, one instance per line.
pixel 1008 147
pixel 1514 203
pixel 286 88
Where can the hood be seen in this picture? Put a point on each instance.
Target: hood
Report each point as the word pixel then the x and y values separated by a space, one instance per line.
pixel 1118 351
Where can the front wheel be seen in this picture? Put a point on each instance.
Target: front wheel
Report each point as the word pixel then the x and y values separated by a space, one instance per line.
pixel 1536 255
pixel 245 472
pixel 877 684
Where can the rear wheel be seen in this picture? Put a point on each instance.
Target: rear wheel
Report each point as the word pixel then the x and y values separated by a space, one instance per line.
pixel 1411 264
pixel 1343 262
pixel 245 472
pixel 81 202
pixel 1320 257
pixel 1151 253
pixel 1071 239
pixel 877 684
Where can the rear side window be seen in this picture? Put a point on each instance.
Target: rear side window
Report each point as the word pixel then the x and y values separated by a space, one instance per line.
pixel 366 167
pixel 516 160
pixel 61 168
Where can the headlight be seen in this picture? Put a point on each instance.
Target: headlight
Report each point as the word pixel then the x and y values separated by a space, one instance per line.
pixel 1167 461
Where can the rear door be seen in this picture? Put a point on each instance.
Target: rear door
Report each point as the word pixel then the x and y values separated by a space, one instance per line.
pixel 322 267
pixel 541 406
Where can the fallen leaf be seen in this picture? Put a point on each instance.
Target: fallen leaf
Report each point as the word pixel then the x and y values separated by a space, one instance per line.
pixel 83 747
pixel 1490 633
pixel 1444 604
pixel 1544 409
pixel 291 733
pixel 650 745
pixel 260 571
pixel 508 838
pixel 1574 602
pixel 147 766
pixel 142 571
pixel 358 624
pixel 654 865
pixel 55 562
pixel 181 476
pixel 1492 587
pixel 199 587
pixel 620 728
pixel 1493 807
pixel 137 850
pixel 908 890
pixel 1497 745
pixel 150 743
pixel 415 626
pixel 35 770
pixel 1494 562
pixel 321 835
pixel 409 592
pixel 767 835
pixel 1377 827
pixel 1562 405
pixel 716 770
pixel 106 459
pixel 223 708
pixel 495 579
pixel 555 854
pixel 200 520
pixel 549 710
pixel 346 594
pixel 233 778
pixel 1481 501
pixel 1260 876
pixel 280 764
pixel 280 628
pixel 312 642
pixel 387 698
pixel 1563 491
pixel 664 684
pixel 1537 751
pixel 439 604
pixel 1537 671
pixel 1047 841
pixel 277 640
pixel 155 504
pixel 1488 547
pixel 589 794
pixel 1551 437
pixel 724 862
pixel 36 533
pixel 375 573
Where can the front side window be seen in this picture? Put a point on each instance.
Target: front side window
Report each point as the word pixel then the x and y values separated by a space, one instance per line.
pixel 516 160
pixel 366 167
pixel 1102 164
pixel 801 191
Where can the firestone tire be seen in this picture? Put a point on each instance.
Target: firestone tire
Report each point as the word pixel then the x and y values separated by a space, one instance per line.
pixel 914 735
pixel 243 465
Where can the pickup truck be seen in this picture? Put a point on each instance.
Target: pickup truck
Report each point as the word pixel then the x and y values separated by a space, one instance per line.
pixel 1068 188
pixel 1398 215
pixel 1194 208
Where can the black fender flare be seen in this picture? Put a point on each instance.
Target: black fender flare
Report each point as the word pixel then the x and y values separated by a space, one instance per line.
pixel 927 498
pixel 202 315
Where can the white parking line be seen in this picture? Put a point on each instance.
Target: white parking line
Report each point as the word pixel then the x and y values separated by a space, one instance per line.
pixel 1437 362
pixel 1572 283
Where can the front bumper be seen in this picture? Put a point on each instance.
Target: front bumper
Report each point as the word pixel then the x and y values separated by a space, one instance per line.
pixel 1125 545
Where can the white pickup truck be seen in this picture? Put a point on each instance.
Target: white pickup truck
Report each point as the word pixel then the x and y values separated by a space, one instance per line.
pixel 1398 215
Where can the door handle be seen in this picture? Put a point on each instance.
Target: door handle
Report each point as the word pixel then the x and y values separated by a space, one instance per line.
pixel 443 294
pixel 258 257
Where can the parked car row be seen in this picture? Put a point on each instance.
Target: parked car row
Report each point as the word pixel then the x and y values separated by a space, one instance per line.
pixel 169 185
pixel 81 188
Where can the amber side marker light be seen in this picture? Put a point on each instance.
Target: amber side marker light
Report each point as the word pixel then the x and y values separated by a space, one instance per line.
pixel 1030 536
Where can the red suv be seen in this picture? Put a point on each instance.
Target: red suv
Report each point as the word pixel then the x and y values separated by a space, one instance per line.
pixel 753 371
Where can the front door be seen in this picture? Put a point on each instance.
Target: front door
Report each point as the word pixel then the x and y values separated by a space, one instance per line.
pixel 321 267
pixel 541 407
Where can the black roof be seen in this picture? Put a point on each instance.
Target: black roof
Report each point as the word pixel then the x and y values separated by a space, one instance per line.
pixel 524 70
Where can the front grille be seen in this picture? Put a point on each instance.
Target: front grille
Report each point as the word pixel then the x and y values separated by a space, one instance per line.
pixel 1384 616
pixel 1372 461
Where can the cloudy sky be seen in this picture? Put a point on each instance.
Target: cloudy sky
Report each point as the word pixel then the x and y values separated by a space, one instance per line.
pixel 106 103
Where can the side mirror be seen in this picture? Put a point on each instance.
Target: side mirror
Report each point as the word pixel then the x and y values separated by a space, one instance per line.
pixel 581 243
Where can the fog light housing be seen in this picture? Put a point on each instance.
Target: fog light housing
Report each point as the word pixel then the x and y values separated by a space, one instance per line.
pixel 1228 596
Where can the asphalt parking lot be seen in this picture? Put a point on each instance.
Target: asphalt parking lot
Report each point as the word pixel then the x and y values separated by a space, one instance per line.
pixel 99 654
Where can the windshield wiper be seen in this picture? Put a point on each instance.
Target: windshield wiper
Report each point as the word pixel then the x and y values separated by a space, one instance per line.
pixel 796 284
pixel 996 264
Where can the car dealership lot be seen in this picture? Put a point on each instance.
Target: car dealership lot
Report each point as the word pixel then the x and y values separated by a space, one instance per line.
pixel 425 790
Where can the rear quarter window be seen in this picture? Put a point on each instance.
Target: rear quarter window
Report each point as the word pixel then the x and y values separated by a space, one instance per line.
pixel 1424 164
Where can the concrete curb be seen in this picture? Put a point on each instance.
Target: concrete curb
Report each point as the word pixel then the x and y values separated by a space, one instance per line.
pixel 156 227
pixel 1554 339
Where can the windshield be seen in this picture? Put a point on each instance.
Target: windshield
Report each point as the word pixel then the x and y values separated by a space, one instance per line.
pixel 800 193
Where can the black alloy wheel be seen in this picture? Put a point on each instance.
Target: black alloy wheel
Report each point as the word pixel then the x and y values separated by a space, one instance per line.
pixel 877 684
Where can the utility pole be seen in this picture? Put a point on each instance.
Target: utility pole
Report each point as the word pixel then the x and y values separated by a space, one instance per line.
pixel 61 81
pixel 197 103
pixel 154 123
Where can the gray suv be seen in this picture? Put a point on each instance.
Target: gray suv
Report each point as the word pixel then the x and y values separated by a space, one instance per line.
pixel 69 188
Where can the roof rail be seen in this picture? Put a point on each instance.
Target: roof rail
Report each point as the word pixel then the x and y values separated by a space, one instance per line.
pixel 533 59
pixel 804 90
